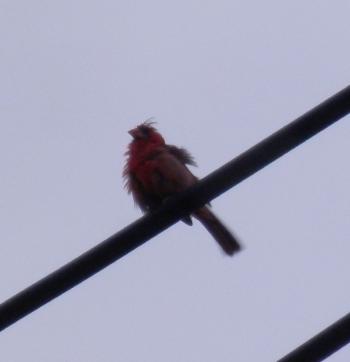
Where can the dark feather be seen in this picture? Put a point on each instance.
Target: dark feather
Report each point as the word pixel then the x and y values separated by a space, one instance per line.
pixel 182 155
pixel 218 230
pixel 187 220
pixel 142 198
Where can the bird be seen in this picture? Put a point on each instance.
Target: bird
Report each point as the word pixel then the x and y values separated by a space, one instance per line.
pixel 155 171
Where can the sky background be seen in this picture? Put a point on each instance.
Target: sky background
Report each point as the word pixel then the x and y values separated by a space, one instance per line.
pixel 218 76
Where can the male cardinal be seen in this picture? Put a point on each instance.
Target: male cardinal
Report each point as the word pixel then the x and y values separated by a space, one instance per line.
pixel 154 171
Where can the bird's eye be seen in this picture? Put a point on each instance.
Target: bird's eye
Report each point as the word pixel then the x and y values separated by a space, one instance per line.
pixel 145 131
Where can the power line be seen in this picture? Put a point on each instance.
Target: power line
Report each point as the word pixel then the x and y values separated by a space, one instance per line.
pixel 175 208
pixel 323 344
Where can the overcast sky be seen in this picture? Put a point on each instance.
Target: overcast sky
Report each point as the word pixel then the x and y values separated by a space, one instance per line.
pixel 218 76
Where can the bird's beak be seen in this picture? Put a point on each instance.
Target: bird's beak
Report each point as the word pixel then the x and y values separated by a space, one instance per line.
pixel 135 133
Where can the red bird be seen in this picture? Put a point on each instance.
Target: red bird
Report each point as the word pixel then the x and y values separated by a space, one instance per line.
pixel 155 171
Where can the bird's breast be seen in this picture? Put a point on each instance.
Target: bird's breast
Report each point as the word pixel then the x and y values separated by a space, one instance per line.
pixel 145 172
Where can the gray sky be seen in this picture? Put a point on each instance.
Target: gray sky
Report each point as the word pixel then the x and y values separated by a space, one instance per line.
pixel 218 76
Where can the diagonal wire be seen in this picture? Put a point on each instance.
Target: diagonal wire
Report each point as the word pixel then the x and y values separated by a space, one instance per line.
pixel 137 233
pixel 323 344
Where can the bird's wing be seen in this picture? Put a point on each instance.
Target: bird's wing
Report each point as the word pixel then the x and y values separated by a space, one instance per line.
pixel 182 155
pixel 170 174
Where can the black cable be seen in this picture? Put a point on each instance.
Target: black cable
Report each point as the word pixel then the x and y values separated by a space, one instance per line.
pixel 323 344
pixel 150 225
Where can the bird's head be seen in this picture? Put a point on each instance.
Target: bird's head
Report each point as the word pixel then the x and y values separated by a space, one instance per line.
pixel 146 133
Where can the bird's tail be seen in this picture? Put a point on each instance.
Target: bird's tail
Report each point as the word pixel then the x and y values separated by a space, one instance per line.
pixel 218 230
